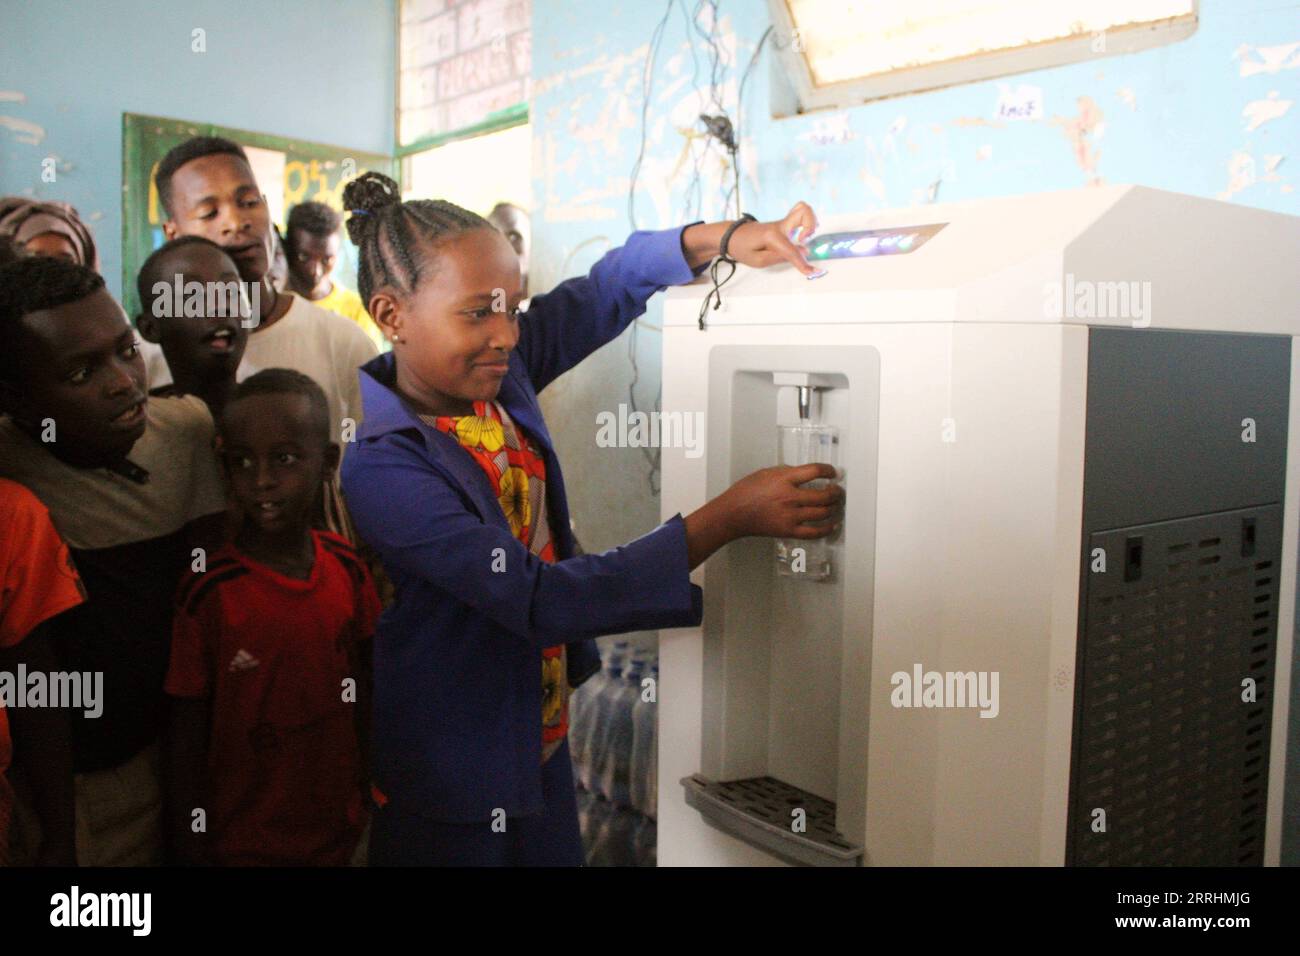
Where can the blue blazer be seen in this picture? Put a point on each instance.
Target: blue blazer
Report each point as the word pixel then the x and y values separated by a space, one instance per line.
pixel 457 701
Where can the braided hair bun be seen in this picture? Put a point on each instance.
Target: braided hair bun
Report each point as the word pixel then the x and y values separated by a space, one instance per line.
pixel 365 198
pixel 397 242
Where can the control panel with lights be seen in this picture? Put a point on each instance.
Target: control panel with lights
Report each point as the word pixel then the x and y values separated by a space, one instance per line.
pixel 894 241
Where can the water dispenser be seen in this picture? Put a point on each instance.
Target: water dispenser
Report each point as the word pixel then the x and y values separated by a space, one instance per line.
pixel 994 447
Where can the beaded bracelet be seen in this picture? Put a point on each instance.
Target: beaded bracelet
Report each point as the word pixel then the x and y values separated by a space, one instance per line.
pixel 715 294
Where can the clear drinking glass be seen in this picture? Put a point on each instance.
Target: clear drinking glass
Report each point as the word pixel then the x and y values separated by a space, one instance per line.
pixel 805 444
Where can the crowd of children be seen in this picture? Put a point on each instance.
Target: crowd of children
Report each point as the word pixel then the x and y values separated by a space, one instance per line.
pixel 174 526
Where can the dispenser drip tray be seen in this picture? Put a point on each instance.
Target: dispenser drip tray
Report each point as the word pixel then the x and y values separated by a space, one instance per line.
pixel 760 811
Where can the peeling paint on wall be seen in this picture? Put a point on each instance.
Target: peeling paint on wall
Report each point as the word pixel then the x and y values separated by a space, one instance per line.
pixel 875 184
pixel 1083 130
pixel 1241 173
pixel 25 131
pixel 1268 59
pixel 678 157
pixel 1259 112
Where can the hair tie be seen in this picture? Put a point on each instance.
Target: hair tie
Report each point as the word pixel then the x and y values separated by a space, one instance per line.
pixel 359 212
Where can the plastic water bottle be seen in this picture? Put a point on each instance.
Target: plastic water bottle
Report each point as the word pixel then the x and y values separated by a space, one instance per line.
pixel 595 835
pixel 597 716
pixel 584 718
pixel 579 722
pixel 645 750
pixel 584 800
pixel 615 843
pixel 614 763
pixel 645 842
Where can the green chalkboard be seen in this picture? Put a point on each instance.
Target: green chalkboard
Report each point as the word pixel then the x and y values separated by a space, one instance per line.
pixel 305 171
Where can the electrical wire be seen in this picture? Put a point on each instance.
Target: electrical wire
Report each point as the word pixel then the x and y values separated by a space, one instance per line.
pixel 656 38
pixel 652 54
pixel 694 192
pixel 721 128
pixel 715 52
pixel 740 110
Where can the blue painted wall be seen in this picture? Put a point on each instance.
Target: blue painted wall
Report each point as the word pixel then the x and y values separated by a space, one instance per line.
pixel 1192 116
pixel 318 70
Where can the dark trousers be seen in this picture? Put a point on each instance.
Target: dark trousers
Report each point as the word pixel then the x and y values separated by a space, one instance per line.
pixel 550 838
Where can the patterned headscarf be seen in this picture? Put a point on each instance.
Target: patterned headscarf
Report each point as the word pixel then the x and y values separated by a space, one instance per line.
pixel 23 219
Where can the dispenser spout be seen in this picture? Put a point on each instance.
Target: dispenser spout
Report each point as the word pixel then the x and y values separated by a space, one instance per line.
pixel 807 383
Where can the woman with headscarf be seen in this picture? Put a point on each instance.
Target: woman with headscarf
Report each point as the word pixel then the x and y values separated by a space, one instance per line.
pixel 48 228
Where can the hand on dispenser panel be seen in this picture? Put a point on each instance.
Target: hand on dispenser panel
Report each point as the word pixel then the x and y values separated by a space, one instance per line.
pixel 756 244
pixel 769 503
pixel 763 244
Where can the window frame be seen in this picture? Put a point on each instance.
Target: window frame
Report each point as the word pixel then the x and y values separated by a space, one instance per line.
pixel 1027 58
pixel 513 115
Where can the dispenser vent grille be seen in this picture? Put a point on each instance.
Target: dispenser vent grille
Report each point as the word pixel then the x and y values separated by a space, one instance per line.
pixel 1164 743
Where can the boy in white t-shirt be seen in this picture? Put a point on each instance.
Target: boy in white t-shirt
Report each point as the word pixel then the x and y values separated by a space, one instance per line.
pixel 207 188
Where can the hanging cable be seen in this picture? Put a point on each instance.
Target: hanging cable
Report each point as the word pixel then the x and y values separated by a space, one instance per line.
pixel 740 107
pixel 656 38
pixel 719 127
pixel 647 76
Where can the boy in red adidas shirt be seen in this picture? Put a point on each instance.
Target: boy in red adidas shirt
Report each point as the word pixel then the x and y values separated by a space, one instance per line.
pixel 270 653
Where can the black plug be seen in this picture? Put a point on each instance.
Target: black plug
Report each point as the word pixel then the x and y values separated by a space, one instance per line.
pixel 719 128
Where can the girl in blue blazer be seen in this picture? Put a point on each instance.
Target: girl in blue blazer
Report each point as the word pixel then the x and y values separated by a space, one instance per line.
pixel 454 482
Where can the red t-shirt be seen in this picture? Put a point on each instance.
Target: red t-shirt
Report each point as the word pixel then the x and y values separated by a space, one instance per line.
pixel 271 653
pixel 37 581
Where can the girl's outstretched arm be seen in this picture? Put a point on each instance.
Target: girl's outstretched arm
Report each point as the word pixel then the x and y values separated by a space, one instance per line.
pixel 429 534
pixel 756 244
pixel 565 325
pixel 578 316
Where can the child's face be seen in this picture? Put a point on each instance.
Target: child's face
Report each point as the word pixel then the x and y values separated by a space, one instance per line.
pixel 514 226
pixel 207 347
pixel 276 460
pixel 311 260
pixel 217 197
pixel 82 371
pixel 454 343
pixel 52 244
